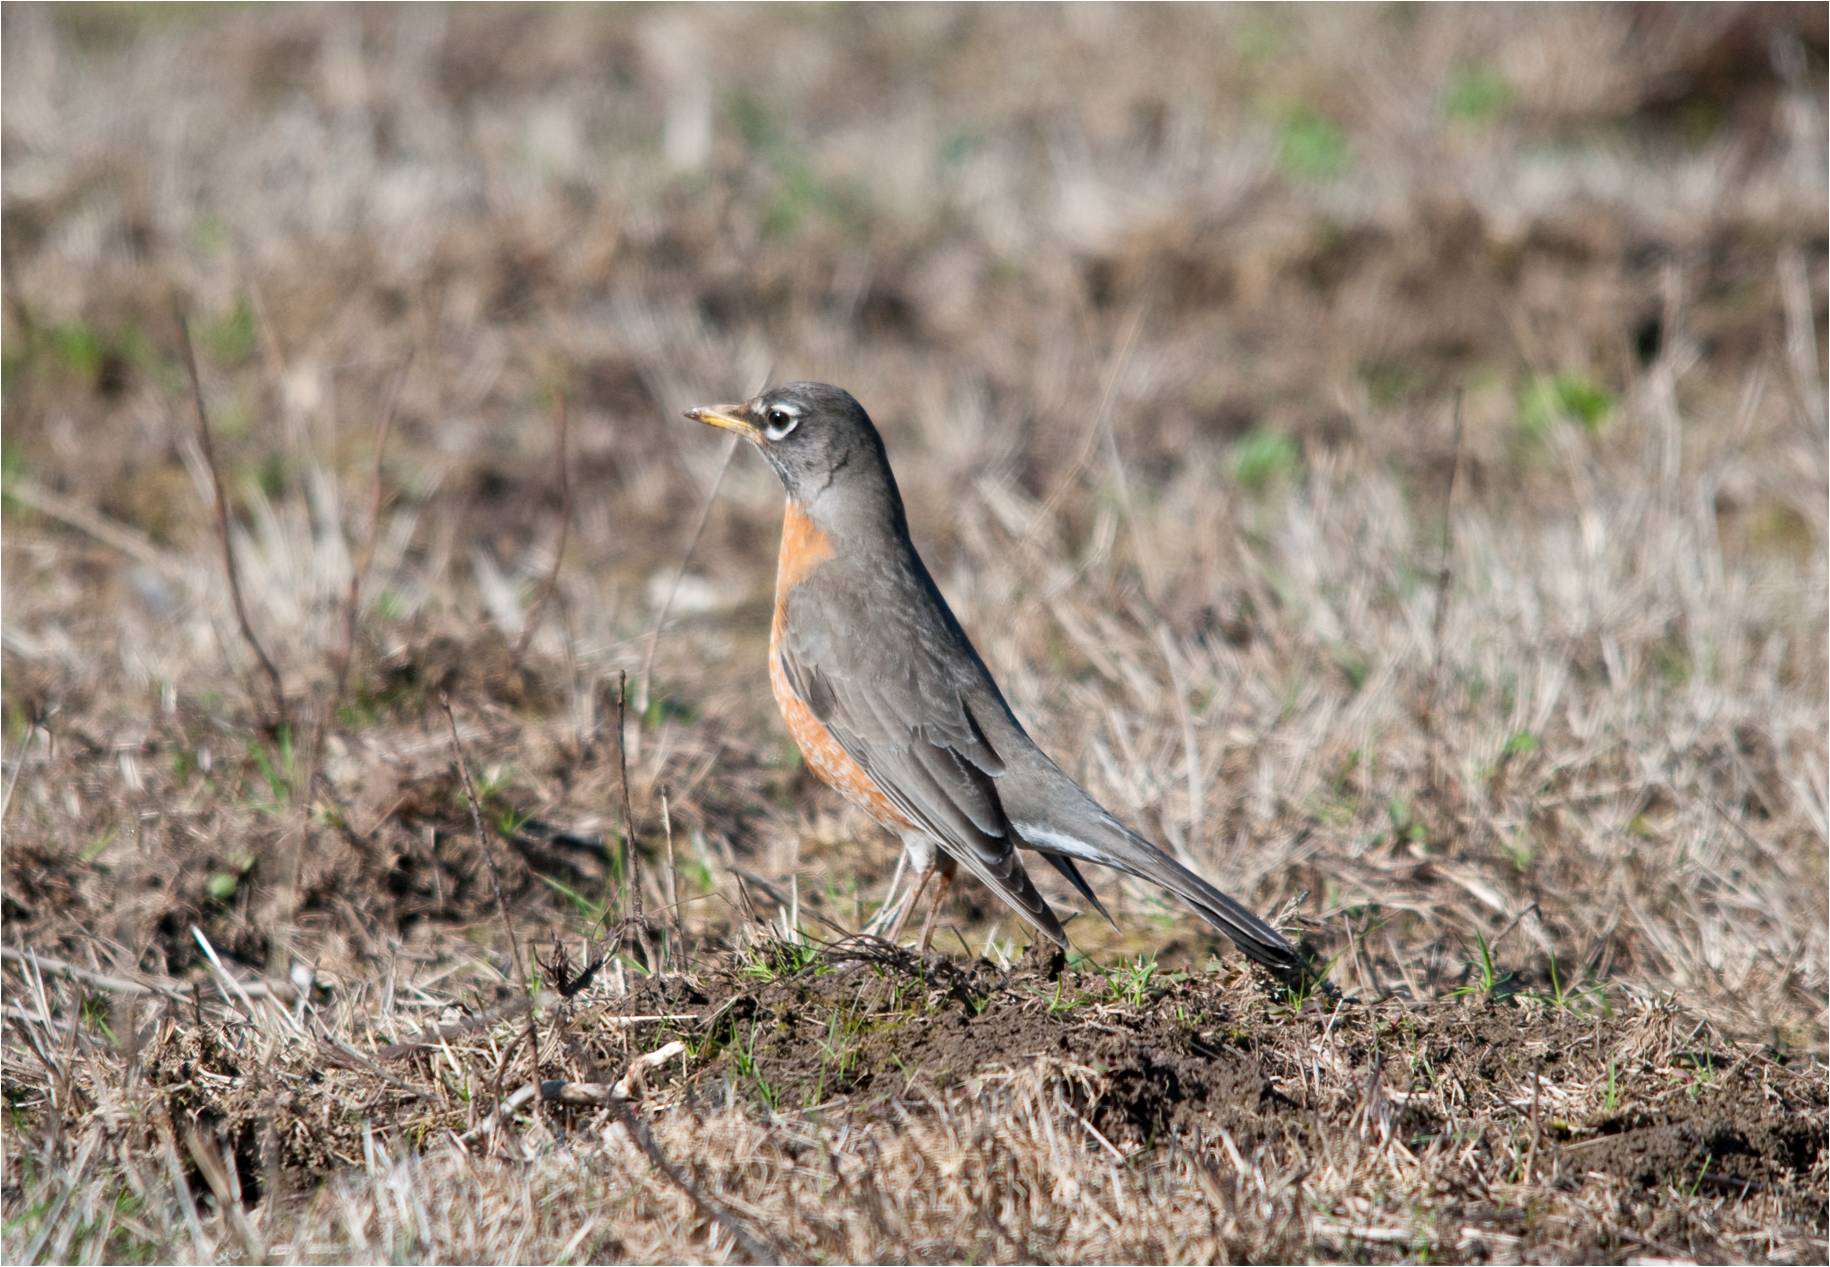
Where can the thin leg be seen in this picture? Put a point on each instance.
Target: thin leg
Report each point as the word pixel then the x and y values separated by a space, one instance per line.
pixel 940 896
pixel 902 916
pixel 893 898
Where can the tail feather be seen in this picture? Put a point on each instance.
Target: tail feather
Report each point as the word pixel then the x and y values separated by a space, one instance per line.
pixel 1065 865
pixel 1101 839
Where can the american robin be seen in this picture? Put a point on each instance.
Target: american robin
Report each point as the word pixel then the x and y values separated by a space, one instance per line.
pixel 891 705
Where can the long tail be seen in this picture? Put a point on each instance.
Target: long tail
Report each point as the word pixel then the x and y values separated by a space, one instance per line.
pixel 1065 865
pixel 1096 836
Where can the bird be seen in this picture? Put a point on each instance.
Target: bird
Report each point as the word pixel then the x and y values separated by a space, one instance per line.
pixel 892 705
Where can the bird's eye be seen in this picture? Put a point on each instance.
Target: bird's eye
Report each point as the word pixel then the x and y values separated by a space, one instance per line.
pixel 779 422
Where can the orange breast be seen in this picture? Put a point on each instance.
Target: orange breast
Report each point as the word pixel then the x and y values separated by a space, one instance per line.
pixel 804 548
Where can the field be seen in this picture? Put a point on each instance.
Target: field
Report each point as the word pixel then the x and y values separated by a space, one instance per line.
pixel 1380 451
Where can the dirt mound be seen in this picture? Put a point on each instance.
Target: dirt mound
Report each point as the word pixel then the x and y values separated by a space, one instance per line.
pixel 1720 1139
pixel 1618 1132
pixel 1150 1059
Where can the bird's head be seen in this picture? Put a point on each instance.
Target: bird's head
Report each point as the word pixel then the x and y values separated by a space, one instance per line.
pixel 821 443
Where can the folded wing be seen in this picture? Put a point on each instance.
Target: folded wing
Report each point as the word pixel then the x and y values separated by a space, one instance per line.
pixel 917 739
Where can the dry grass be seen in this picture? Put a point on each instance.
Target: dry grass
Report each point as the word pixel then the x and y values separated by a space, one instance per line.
pixel 1164 314
pixel 817 1114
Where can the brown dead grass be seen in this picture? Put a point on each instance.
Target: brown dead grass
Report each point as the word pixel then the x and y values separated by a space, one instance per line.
pixel 1163 314
pixel 831 1111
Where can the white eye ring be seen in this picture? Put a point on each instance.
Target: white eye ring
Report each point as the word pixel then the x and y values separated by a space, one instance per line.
pixel 779 422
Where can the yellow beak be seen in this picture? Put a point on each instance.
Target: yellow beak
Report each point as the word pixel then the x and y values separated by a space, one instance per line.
pixel 726 418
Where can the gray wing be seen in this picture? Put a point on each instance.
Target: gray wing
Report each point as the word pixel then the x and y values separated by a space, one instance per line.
pixel 908 725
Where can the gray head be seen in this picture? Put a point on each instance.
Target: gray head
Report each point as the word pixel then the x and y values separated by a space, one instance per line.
pixel 820 442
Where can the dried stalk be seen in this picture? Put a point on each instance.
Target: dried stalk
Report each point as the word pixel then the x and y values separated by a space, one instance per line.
pixel 561 423
pixel 673 587
pixel 359 567
pixel 208 440
pixel 489 855
pixel 1445 576
pixel 632 880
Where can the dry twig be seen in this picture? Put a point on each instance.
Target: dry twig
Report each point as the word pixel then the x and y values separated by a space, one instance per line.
pixel 673 586
pixel 1445 576
pixel 632 880
pixel 489 855
pixel 532 620
pixel 758 1250
pixel 359 566
pixel 208 440
pixel 123 985
pixel 680 952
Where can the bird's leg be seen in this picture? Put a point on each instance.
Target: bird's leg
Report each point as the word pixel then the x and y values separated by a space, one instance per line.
pixel 940 896
pixel 892 903
pixel 914 900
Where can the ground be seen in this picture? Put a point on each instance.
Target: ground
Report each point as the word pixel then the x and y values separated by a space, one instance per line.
pixel 1381 452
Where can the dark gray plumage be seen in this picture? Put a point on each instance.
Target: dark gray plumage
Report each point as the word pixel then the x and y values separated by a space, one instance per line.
pixel 869 645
